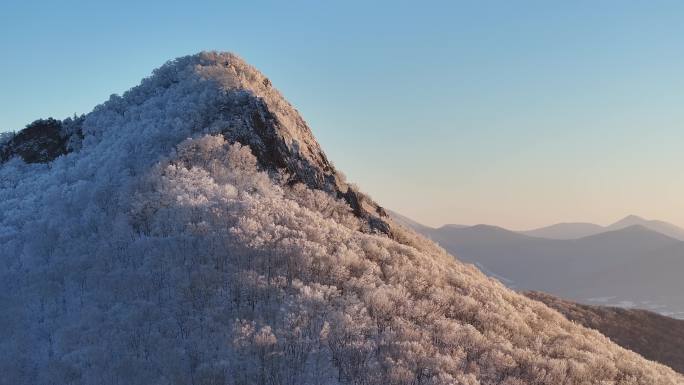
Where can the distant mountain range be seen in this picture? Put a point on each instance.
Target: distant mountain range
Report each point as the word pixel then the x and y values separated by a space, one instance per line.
pixel 632 263
pixel 580 230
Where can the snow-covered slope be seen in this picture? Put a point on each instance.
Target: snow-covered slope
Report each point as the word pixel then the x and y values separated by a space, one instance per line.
pixel 166 247
pixel 655 336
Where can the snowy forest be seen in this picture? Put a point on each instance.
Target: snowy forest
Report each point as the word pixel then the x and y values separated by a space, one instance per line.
pixel 161 250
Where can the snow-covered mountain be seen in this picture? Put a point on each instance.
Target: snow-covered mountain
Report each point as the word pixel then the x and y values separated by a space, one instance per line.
pixel 192 231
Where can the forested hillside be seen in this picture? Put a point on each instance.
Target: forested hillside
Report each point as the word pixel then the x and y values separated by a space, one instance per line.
pixel 652 335
pixel 193 233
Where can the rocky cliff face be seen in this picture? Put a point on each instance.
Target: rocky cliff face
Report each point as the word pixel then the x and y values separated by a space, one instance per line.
pixel 41 141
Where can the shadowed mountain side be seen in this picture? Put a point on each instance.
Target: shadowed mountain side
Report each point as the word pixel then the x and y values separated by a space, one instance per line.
pixel 654 281
pixel 654 336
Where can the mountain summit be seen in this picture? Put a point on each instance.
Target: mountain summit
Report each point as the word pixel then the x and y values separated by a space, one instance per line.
pixel 662 227
pixel 244 108
pixel 191 231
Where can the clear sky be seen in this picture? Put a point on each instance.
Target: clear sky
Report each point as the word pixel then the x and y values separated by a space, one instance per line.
pixel 515 113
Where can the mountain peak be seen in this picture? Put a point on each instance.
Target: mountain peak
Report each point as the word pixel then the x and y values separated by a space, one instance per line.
pixel 655 225
pixel 631 219
pixel 619 235
pixel 205 93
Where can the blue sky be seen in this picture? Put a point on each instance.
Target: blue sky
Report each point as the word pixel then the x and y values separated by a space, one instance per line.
pixel 517 113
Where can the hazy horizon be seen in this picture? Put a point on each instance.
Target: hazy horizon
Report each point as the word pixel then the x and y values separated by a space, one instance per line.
pixel 517 115
pixel 604 224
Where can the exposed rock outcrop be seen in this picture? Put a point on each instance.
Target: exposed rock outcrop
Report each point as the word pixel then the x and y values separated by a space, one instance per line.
pixel 40 142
